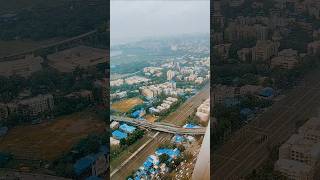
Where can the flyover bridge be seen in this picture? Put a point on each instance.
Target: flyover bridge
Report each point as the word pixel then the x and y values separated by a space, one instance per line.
pixel 158 126
pixel 55 45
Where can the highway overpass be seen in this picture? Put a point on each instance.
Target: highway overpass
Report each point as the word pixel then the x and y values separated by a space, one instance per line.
pixel 158 126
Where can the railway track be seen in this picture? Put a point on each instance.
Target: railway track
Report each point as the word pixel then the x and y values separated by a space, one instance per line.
pixel 241 155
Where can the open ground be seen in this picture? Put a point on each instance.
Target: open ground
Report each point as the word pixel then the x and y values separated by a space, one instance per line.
pixel 48 140
pixel 126 105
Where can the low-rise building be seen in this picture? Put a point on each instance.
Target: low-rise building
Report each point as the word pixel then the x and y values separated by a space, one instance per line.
pixel 114 142
pixel 299 156
pixel 84 94
pixel 245 54
pixel 287 59
pixel 118 95
pixel 114 125
pixel 203 111
pixel 127 129
pixel 37 105
pixel 299 149
pixel 164 106
pixel 168 88
pixel 117 82
pixel 136 80
pixel 148 93
pixel 199 80
pixel 294 169
pixel 264 50
pixel 311 130
pixel 222 50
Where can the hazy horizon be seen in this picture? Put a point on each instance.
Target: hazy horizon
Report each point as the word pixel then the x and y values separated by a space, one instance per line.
pixel 137 20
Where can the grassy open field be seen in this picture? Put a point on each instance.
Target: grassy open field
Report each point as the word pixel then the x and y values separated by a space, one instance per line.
pixel 150 118
pixel 126 105
pixel 49 140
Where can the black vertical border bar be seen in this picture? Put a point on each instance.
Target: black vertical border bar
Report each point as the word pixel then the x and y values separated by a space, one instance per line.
pixel 211 125
pixel 107 105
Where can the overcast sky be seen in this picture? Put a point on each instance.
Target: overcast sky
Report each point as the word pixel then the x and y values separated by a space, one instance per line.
pixel 134 20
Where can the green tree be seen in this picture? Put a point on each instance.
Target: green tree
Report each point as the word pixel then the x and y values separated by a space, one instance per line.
pixel 163 158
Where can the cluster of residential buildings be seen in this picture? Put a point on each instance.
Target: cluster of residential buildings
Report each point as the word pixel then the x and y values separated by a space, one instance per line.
pixel 193 72
pixel 164 106
pixel 37 106
pixel 224 93
pixel 168 88
pixel 267 30
pixel 118 95
pixel 28 107
pixel 299 156
pixel 130 81
pixel 136 80
pixel 310 7
pixel 63 61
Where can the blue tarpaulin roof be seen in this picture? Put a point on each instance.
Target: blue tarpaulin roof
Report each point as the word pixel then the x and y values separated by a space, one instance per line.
pixel 178 139
pixel 191 126
pixel 127 128
pixel 119 135
pixel 267 92
pixel 245 111
pixel 147 164
pixel 137 113
pixel 83 164
pixel 170 152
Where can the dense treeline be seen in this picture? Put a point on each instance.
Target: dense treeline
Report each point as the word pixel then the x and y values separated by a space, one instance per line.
pixel 42 22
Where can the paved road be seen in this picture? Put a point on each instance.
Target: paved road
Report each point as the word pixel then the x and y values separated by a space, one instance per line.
pixel 248 148
pixel 180 114
pixel 162 127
